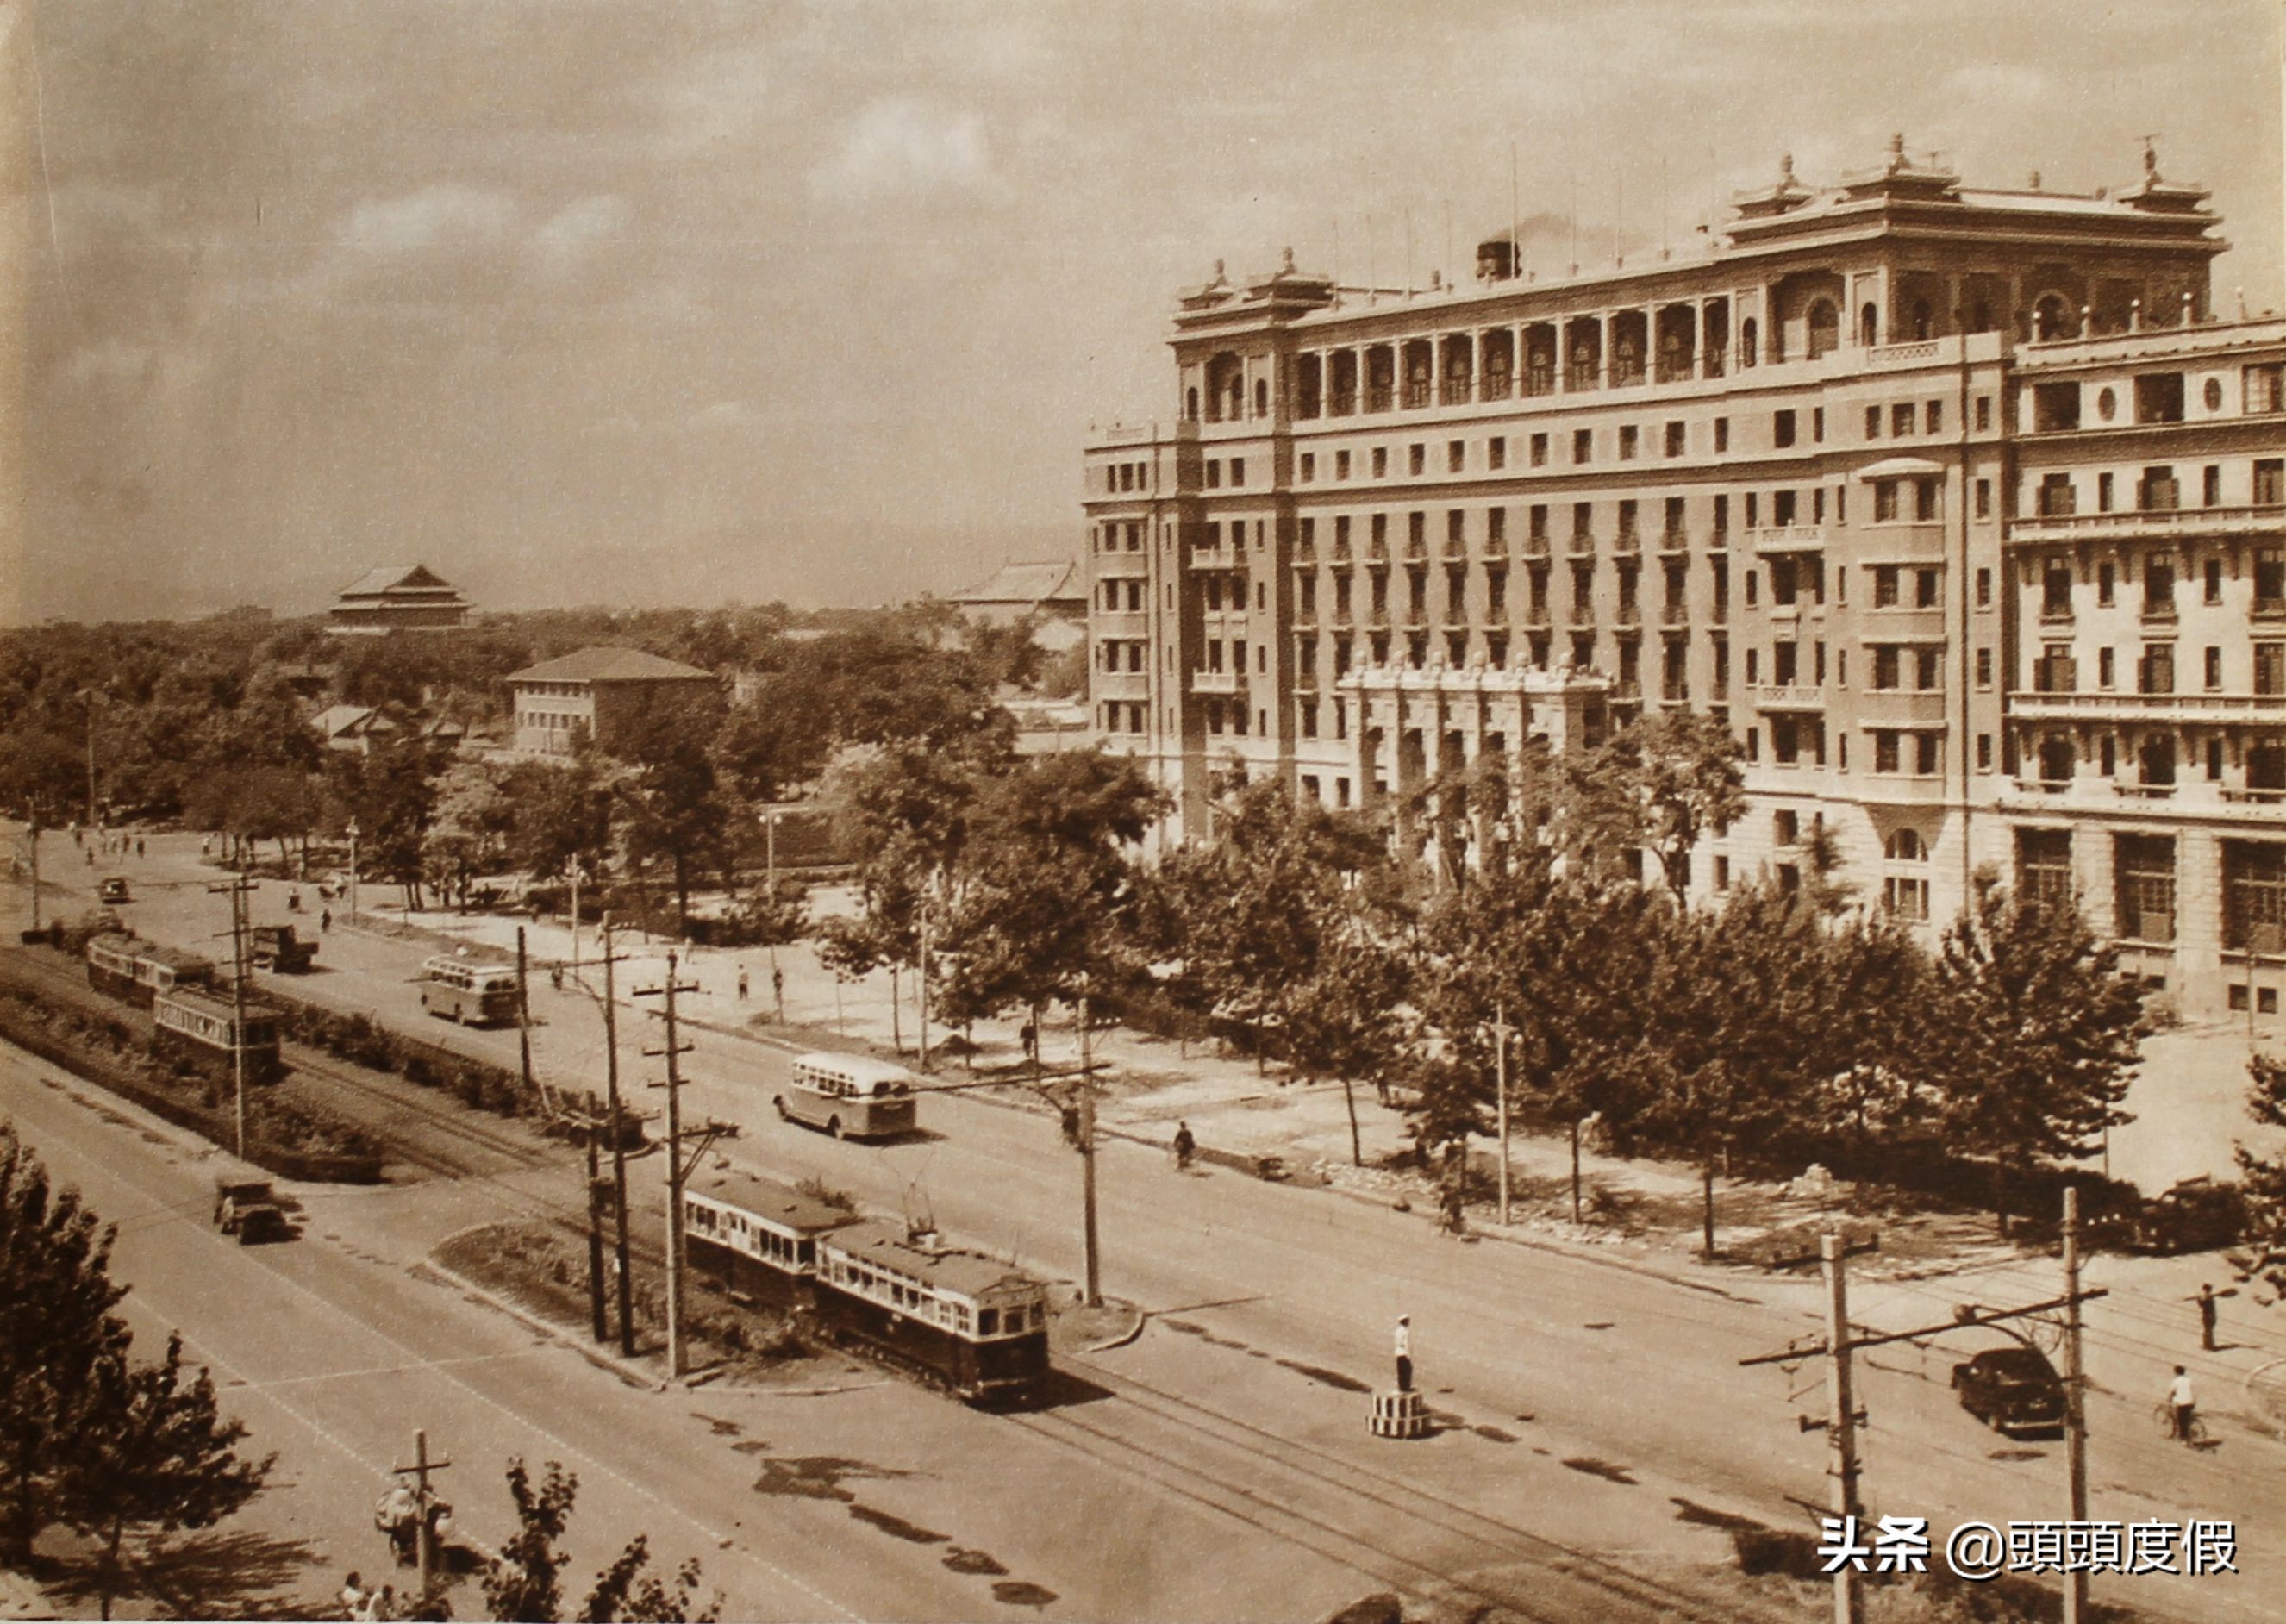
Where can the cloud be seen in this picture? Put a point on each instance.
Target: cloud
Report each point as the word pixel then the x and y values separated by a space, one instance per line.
pixel 1998 84
pixel 900 145
pixel 576 230
pixel 444 213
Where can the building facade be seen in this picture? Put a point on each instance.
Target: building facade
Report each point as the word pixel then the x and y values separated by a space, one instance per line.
pixel 606 695
pixel 1050 594
pixel 1792 478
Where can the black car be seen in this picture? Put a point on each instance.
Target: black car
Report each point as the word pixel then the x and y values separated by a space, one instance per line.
pixel 2014 1389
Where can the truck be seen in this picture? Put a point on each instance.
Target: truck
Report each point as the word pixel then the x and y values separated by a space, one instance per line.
pixel 276 947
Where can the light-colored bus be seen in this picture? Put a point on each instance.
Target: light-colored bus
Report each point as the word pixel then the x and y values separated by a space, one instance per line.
pixel 464 990
pixel 850 1096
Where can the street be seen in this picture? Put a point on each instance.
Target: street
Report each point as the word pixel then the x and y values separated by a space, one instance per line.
pixel 1597 1409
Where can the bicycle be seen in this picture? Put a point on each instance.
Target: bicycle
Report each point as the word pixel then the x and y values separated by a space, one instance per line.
pixel 2164 1414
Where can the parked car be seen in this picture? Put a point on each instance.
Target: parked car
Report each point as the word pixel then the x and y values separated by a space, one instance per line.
pixel 276 947
pixel 2196 1215
pixel 2014 1389
pixel 115 890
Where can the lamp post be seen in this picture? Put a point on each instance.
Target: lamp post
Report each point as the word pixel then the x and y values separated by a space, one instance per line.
pixel 353 833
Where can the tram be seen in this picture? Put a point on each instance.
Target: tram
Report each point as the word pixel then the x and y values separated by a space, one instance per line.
pixel 127 966
pixel 974 1324
pixel 205 1030
pixel 755 1238
pixel 971 1324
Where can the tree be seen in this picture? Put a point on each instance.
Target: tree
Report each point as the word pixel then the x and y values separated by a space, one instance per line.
pixel 391 794
pixel 56 1300
pixel 153 1453
pixel 1687 783
pixel 671 807
pixel 560 815
pixel 42 777
pixel 2032 1034
pixel 525 1581
pixel 2262 1251
pixel 1048 895
pixel 469 831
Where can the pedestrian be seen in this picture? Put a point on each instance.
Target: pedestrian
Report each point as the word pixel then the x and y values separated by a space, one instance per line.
pixel 1404 1345
pixel 352 1596
pixel 325 920
pixel 1028 1034
pixel 2183 1402
pixel 742 983
pixel 138 846
pixel 384 1605
pixel 777 988
pixel 1186 1146
pixel 2206 1302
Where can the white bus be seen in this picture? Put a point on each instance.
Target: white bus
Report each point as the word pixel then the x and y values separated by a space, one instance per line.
pixel 473 994
pixel 848 1095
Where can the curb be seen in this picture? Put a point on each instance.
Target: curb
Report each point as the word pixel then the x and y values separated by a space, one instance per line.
pixel 1142 1319
pixel 634 1375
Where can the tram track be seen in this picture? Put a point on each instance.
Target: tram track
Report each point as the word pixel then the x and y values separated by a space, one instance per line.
pixel 1387 1527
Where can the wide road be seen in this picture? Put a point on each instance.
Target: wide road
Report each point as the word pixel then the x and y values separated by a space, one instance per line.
pixel 1619 1385
pixel 878 1502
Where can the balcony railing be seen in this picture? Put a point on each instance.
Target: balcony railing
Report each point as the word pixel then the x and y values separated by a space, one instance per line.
pixel 1417 394
pixel 1458 390
pixel 1215 682
pixel 1498 386
pixel 1378 397
pixel 2267 709
pixel 1788 697
pixel 1717 359
pixel 1786 537
pixel 1674 370
pixel 1582 376
pixel 2055 676
pixel 1539 381
pixel 2264 517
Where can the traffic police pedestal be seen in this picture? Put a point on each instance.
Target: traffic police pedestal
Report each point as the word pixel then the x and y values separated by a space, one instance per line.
pixel 1399 1413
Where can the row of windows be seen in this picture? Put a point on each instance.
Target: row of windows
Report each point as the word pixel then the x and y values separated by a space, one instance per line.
pixel 2144 895
pixel 2158 397
pixel 2057 671
pixel 2060 575
pixel 1127 476
pixel 2158 490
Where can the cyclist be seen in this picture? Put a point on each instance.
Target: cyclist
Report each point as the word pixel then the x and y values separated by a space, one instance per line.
pixel 2183 1402
pixel 1186 1146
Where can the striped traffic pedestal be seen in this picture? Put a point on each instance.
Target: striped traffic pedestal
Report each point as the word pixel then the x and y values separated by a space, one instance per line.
pixel 1399 1415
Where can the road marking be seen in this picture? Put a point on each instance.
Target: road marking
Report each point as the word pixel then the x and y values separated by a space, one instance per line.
pixel 400 1369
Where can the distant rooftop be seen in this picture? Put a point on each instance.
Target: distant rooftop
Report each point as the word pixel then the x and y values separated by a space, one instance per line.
pixel 1037 582
pixel 607 664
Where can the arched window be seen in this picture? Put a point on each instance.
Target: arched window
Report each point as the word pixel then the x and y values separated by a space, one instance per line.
pixel 1747 335
pixel 1924 319
pixel 2053 316
pixel 1906 846
pixel 1869 326
pixel 1825 328
pixel 1191 405
pixel 1262 396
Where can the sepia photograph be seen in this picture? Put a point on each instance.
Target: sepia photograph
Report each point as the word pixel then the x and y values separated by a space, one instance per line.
pixel 1143 811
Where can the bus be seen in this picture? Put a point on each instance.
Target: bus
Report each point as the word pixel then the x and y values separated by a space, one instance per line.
pixel 850 1096
pixel 472 994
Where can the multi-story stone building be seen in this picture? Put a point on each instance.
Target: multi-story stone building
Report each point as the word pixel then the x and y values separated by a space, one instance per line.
pixel 2147 724
pixel 1795 477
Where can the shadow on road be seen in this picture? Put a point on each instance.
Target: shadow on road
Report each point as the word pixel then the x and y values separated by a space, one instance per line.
pixel 1059 1389
pixel 237 1574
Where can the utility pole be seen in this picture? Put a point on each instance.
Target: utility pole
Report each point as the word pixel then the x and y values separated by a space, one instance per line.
pixel 424 1540
pixel 599 1193
pixel 575 915
pixel 2075 1395
pixel 618 1130
pixel 523 1014
pixel 1501 1032
pixel 1087 1157
pixel 35 827
pixel 921 971
pixel 678 1166
pixel 1841 1423
pixel 236 889
pixel 1840 1428
pixel 353 833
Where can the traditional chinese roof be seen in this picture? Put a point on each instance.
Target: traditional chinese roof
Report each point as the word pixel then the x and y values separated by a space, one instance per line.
pixel 1051 581
pixel 400 580
pixel 344 721
pixel 607 664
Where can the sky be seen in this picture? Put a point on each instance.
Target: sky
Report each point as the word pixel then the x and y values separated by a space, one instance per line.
pixel 654 302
